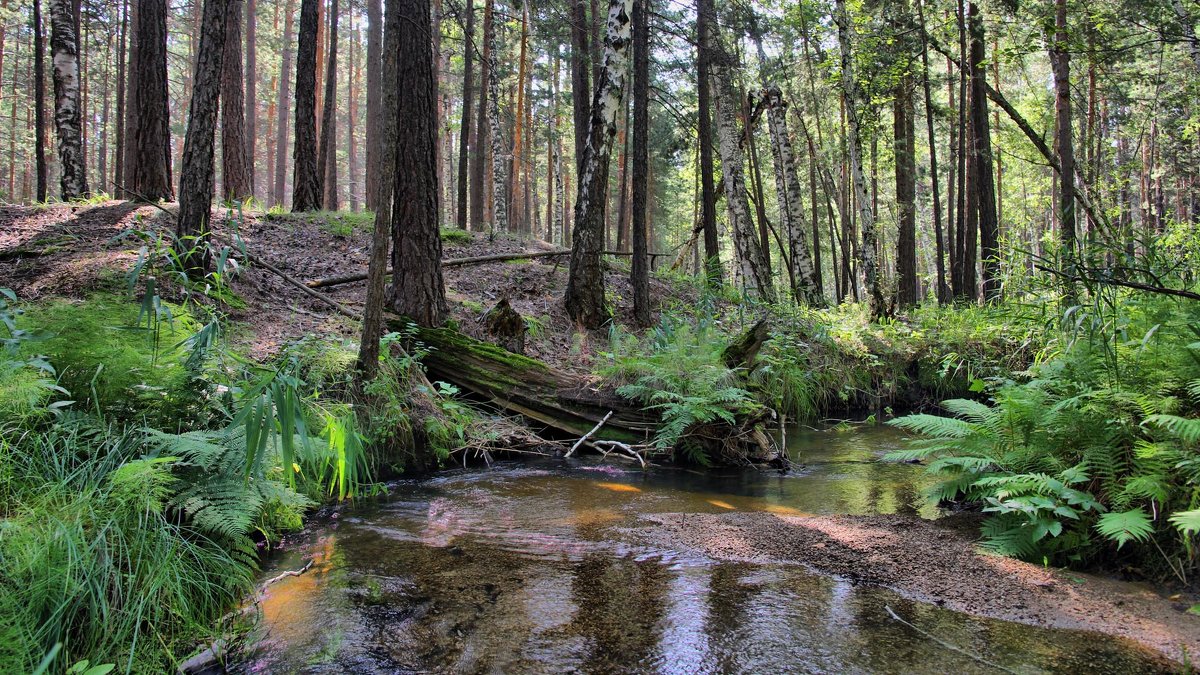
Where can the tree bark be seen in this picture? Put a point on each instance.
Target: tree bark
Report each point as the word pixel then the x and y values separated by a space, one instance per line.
pixel 499 220
pixel 585 284
pixel 306 183
pixel 279 195
pixel 708 194
pixel 64 53
pixel 868 252
pixel 196 176
pixel 943 292
pixel 119 155
pixel 374 93
pixel 417 288
pixel 252 93
pixel 806 284
pixel 327 153
pixel 39 102
pixel 235 167
pixel 640 267
pixel 752 264
pixel 1060 59
pixel 353 84
pixel 149 173
pixel 465 147
pixel 388 109
pixel 580 79
pixel 983 183
pixel 904 149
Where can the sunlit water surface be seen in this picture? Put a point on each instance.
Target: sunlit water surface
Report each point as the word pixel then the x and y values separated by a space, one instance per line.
pixel 523 568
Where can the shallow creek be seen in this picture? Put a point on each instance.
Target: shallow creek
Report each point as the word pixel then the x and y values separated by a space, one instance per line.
pixel 530 567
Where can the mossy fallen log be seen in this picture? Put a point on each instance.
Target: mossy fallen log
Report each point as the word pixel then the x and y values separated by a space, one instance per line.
pixel 570 404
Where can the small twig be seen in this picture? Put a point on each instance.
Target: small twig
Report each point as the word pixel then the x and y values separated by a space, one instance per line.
pixel 289 573
pixel 620 446
pixel 588 435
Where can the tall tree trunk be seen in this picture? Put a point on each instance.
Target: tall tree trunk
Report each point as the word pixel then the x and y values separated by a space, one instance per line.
pixel 279 195
pixel 499 180
pixel 235 167
pixel 479 157
pixel 306 183
pixel 465 147
pixel 868 252
pixel 128 149
pixel 943 292
pixel 585 284
pixel 905 151
pixel 1060 59
pixel 640 267
pixel 708 193
pixel 39 102
pixel 327 154
pixel 417 288
pixel 374 150
pixel 149 173
pixel 196 175
pixel 64 54
pixel 387 110
pixel 517 198
pixel 119 155
pixel 806 284
pixel 959 263
pixel 751 261
pixel 983 182
pixel 252 93
pixel 353 84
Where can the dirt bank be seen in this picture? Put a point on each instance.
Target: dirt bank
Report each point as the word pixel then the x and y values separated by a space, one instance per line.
pixel 937 562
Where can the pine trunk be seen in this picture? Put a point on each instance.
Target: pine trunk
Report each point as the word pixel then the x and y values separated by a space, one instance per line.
pixel 196 175
pixel 983 182
pixel 235 167
pixel 943 292
pixel 640 267
pixel 585 284
pixel 353 84
pixel 279 190
pixel 417 287
pixel 465 147
pixel 306 183
pixel 708 193
pixel 1060 59
pixel 904 149
pixel 252 93
pixel 327 153
pixel 374 92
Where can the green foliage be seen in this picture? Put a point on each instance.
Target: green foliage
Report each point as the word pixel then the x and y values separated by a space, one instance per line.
pixel 1102 438
pixel 456 236
pixel 678 370
pixel 115 359
pixel 95 560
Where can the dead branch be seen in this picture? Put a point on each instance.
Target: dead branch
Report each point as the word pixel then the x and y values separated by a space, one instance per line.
pixel 588 435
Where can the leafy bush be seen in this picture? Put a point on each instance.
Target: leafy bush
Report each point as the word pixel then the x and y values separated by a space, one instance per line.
pixel 1096 454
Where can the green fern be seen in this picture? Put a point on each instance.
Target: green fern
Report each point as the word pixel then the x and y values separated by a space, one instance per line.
pixel 1126 526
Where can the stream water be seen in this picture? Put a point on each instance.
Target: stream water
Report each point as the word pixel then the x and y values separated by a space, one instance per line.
pixel 524 568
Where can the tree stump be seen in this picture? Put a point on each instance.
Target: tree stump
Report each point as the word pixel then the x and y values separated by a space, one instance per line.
pixel 506 326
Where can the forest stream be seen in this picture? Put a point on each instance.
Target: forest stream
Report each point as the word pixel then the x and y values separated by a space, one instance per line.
pixel 547 566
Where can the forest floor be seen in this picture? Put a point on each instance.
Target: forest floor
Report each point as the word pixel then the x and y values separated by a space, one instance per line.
pixel 76 251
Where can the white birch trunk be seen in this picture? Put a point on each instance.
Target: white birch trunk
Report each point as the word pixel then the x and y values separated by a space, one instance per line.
pixel 805 285
pixel 868 252
pixel 67 117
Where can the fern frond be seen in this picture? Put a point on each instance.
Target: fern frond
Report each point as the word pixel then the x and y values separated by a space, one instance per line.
pixel 934 425
pixel 1125 526
pixel 1187 429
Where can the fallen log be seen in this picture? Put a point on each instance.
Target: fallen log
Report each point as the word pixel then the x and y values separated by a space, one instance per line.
pixel 568 403
pixel 461 262
pixel 573 405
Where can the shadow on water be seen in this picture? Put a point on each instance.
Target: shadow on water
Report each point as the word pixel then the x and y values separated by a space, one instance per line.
pixel 523 568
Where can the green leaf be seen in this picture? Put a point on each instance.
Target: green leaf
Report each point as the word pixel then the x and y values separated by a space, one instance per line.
pixel 1188 522
pixel 1126 526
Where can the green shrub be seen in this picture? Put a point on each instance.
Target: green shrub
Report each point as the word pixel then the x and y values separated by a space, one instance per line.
pixel 456 236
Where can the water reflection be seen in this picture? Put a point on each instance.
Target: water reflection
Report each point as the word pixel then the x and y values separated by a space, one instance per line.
pixel 524 568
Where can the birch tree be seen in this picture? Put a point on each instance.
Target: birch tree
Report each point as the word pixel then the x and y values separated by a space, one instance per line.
pixel 869 250
pixel 499 207
pixel 585 282
pixel 749 255
pixel 806 284
pixel 64 54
